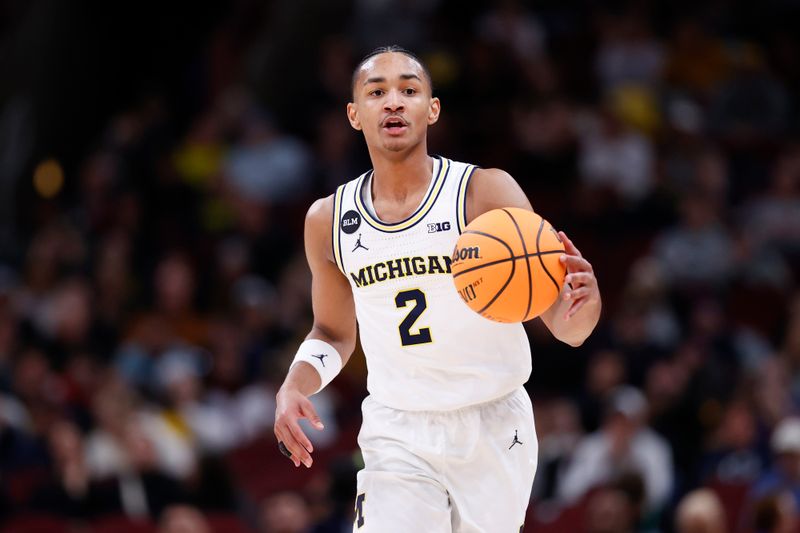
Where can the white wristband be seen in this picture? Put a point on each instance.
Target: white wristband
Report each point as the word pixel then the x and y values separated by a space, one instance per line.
pixel 323 357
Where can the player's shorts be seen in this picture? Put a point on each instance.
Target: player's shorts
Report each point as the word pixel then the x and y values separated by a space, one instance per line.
pixel 463 471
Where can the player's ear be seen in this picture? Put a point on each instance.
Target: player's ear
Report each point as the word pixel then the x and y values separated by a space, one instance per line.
pixel 433 112
pixel 352 116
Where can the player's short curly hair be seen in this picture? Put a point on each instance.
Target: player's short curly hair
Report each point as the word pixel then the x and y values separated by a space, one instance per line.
pixel 385 50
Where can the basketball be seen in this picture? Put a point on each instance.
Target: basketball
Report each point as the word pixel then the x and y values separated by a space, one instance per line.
pixel 506 265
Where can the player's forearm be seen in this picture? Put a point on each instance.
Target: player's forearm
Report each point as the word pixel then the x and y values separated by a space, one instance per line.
pixel 302 376
pixel 344 344
pixel 577 328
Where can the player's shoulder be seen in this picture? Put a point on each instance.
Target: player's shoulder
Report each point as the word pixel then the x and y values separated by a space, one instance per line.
pixel 490 177
pixel 319 217
pixel 321 211
pixel 492 188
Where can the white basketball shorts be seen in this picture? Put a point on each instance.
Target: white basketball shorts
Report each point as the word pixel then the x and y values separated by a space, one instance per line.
pixel 463 471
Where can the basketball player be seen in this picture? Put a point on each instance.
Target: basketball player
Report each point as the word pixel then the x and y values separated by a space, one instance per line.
pixel 448 436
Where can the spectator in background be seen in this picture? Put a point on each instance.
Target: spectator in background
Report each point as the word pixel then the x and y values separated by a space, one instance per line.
pixel 209 429
pixel 772 392
pixel 234 384
pixel 628 54
pixel 734 456
pixel 700 511
pixel 113 286
pixel 614 160
pixel 342 492
pixel 699 250
pixel 13 414
pixel 9 324
pixel 790 349
pixel 604 374
pixel 127 437
pixel 609 510
pixel 623 445
pixel 38 387
pixel 266 166
pixel 751 107
pixel 775 513
pixel 144 489
pixel 71 492
pixel 647 290
pixel 697 61
pixel 559 430
pixel 517 29
pixel 631 338
pixel 65 322
pixel 175 292
pixel 285 512
pixel 183 519
pixel 225 414
pixel 784 476
pixel 19 446
pixel 772 221
pixel 392 21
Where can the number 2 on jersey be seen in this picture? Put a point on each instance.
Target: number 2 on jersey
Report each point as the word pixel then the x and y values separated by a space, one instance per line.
pixel 420 304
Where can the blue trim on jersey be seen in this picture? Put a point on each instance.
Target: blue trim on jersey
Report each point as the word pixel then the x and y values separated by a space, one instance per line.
pixel 336 237
pixel 425 206
pixel 461 198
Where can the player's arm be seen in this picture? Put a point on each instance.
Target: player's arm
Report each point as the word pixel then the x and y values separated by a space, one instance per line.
pixel 334 325
pixel 575 313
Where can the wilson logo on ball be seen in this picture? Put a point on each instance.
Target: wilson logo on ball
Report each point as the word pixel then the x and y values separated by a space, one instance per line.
pixel 468 252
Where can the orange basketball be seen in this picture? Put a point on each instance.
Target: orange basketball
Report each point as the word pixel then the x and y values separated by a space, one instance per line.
pixel 506 265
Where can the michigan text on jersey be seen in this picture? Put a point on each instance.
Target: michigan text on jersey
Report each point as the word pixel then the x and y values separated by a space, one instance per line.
pixel 400 268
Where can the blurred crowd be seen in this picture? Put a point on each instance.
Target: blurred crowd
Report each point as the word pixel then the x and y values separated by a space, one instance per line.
pixel 154 302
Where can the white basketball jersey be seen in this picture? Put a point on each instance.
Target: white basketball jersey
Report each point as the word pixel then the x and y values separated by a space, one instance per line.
pixel 425 349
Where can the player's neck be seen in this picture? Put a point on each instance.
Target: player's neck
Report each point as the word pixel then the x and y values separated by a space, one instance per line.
pixel 397 178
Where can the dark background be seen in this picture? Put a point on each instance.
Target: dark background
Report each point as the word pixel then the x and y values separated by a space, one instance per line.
pixel 156 163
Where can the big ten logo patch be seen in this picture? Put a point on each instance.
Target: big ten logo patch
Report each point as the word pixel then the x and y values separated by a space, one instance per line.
pixel 438 226
pixel 351 222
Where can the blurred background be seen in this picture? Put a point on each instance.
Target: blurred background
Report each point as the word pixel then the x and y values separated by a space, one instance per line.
pixel 156 163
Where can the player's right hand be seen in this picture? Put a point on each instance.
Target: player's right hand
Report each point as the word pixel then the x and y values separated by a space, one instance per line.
pixel 291 406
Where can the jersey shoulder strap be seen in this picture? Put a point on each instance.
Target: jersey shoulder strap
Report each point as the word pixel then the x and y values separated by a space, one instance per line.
pixel 461 195
pixel 342 207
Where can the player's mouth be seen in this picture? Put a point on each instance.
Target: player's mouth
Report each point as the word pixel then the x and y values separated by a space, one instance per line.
pixel 394 125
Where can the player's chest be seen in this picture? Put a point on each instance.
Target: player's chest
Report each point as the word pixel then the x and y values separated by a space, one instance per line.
pixel 374 258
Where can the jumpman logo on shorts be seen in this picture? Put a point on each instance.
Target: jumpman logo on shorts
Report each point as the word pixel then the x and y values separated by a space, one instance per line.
pixel 515 441
pixel 358 244
pixel 320 356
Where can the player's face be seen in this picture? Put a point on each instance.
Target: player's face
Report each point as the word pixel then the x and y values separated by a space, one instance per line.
pixel 392 103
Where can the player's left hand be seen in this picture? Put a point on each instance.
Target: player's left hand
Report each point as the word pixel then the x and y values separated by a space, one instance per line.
pixel 580 284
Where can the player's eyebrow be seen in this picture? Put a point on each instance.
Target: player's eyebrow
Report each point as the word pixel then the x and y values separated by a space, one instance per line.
pixel 381 79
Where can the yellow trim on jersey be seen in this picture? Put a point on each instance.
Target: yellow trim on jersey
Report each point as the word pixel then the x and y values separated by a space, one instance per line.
pixel 461 198
pixel 336 241
pixel 422 210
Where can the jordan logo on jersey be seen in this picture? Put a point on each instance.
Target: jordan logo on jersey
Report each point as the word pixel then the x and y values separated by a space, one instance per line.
pixel 359 245
pixel 515 441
